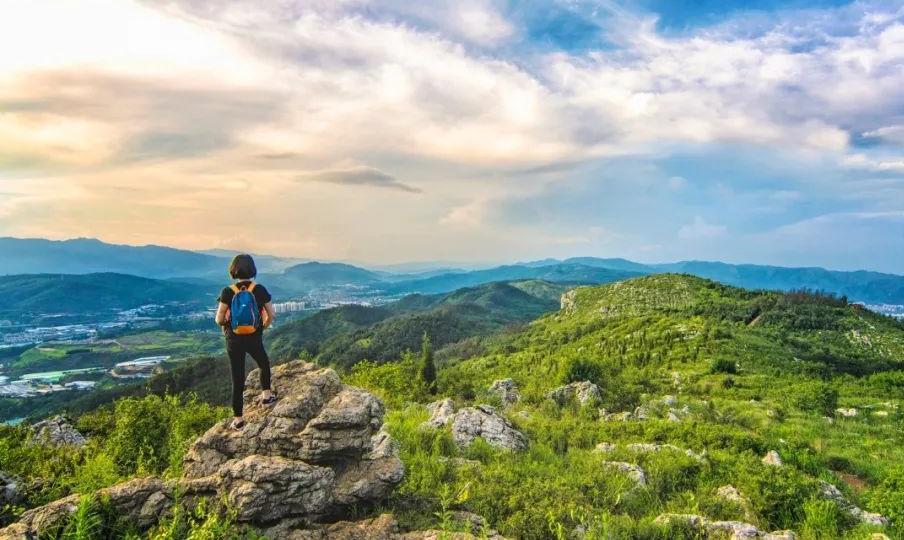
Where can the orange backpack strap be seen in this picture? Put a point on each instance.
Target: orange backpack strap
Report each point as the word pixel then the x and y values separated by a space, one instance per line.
pixel 235 288
pixel 251 287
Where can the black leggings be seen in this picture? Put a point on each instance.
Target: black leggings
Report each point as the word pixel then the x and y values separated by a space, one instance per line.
pixel 236 348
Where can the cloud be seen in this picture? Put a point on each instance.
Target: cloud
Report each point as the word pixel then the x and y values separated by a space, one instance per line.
pixel 359 176
pixel 893 134
pixel 700 229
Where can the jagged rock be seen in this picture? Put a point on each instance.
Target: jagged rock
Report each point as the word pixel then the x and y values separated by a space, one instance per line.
pixel 847 413
pixel 731 494
pixel 773 459
pixel 634 472
pixel 383 527
pixel 672 417
pixel 834 494
pixel 58 431
pixel 483 421
pixel 669 400
pixel 780 535
pixel 604 448
pixel 585 392
pixel 641 413
pixel 318 451
pixel 9 490
pixel 648 447
pixel 507 391
pixel 691 520
pixel 735 530
pixel 442 535
pixel 441 413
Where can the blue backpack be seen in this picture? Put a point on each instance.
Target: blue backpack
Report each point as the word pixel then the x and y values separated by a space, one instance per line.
pixel 246 315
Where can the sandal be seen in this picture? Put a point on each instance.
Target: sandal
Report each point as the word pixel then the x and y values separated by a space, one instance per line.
pixel 269 401
pixel 237 424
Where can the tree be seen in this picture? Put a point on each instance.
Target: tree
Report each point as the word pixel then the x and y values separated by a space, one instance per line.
pixel 428 368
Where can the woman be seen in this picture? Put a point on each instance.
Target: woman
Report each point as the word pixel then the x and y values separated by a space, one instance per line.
pixel 247 337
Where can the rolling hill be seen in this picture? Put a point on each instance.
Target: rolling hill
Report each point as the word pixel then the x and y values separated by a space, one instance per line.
pixel 91 293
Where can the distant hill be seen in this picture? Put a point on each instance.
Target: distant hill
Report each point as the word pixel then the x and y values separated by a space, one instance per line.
pixel 86 256
pixel 862 286
pixel 345 335
pixel 313 275
pixel 61 293
pixel 571 273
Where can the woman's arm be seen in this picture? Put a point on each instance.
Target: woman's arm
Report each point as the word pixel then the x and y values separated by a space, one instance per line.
pixel 222 316
pixel 269 314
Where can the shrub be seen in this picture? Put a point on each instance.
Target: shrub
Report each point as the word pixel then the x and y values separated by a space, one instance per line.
pixel 815 397
pixel 723 365
pixel 394 382
pixel 582 370
pixel 888 497
pixel 822 520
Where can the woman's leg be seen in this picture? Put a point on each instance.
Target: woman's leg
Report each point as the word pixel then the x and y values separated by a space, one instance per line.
pixel 236 355
pixel 260 356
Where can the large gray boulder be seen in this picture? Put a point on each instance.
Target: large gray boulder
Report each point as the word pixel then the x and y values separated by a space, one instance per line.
pixel 58 431
pixel 316 453
pixel 832 493
pixel 483 421
pixel 584 392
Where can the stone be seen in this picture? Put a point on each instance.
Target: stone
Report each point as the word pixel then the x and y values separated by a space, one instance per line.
pixel 731 530
pixel 483 421
pixel 735 530
pixel 10 491
pixel 634 472
pixel 731 494
pixel 441 413
pixel 669 400
pixel 507 391
pixel 689 520
pixel 832 493
pixel 604 448
pixel 780 535
pixel 644 448
pixel 847 413
pixel 58 431
pixel 672 417
pixel 584 392
pixel 317 452
pixel 773 459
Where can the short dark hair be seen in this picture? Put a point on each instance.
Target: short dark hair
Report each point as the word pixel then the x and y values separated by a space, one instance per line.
pixel 242 267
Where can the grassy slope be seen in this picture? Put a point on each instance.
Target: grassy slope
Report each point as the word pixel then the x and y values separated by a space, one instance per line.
pixel 645 338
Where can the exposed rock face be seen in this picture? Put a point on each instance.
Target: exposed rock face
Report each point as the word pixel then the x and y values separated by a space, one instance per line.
pixel 634 472
pixel 9 489
pixel 483 421
pixel 773 459
pixel 318 451
pixel 58 431
pixel 507 391
pixel 645 448
pixel 604 448
pixel 847 413
pixel 732 530
pixel 585 392
pixel 441 413
pixel 833 493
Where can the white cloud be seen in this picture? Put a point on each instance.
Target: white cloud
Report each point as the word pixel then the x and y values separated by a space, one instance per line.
pixel 700 229
pixel 893 134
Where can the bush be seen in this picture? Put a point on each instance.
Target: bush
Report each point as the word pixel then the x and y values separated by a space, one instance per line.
pixel 395 383
pixel 815 397
pixel 888 497
pixel 583 370
pixel 723 365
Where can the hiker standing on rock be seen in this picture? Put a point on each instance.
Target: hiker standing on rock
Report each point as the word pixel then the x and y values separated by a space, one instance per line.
pixel 244 312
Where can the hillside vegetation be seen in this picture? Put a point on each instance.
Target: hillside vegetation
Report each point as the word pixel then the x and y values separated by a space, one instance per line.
pixel 697 383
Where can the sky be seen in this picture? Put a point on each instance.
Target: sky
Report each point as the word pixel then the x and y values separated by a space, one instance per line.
pixel 767 131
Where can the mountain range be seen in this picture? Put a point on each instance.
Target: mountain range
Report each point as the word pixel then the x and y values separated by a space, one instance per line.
pixel 290 276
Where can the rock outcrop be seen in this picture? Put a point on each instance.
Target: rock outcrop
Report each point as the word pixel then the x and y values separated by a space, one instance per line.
pixel 733 530
pixel 10 492
pixel 441 413
pixel 319 451
pixel 483 421
pixel 646 448
pixel 632 471
pixel 584 392
pixel 773 459
pixel 58 431
pixel 834 494
pixel 506 390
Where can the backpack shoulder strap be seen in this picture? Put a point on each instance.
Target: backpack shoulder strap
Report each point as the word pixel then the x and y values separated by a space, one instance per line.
pixel 235 288
pixel 251 287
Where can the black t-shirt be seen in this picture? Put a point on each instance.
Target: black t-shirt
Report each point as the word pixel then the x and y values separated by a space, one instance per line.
pixel 261 296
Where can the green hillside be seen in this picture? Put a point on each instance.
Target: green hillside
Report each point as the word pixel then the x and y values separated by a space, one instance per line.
pixel 60 293
pixel 746 372
pixel 346 335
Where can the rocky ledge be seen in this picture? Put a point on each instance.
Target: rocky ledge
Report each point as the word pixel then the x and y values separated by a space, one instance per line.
pixel 306 460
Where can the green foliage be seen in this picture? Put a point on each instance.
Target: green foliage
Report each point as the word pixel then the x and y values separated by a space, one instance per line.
pixel 815 397
pixel 888 497
pixel 86 523
pixel 822 520
pixel 395 383
pixel 427 368
pixel 204 522
pixel 583 370
pixel 723 365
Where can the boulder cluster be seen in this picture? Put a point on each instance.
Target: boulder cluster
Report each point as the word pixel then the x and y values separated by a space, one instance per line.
pixel 318 452
pixel 470 423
